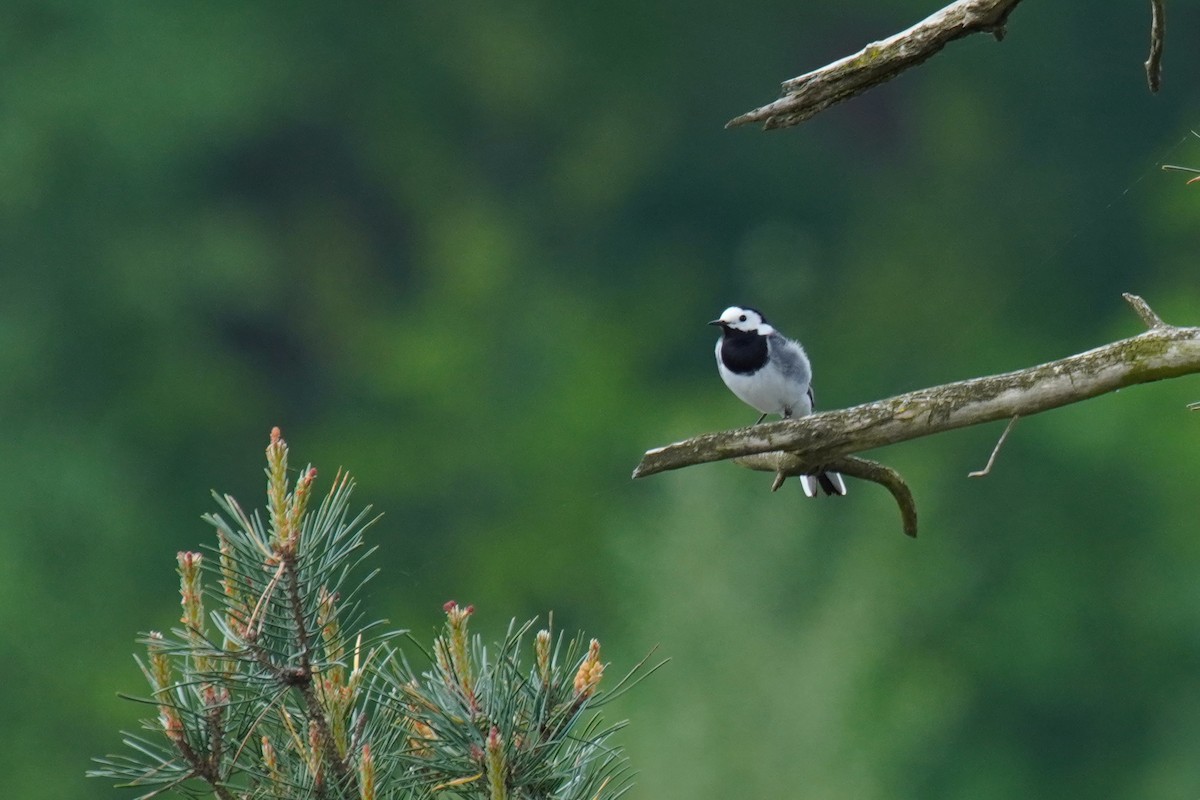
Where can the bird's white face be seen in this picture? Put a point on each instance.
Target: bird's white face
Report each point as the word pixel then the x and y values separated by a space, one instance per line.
pixel 744 319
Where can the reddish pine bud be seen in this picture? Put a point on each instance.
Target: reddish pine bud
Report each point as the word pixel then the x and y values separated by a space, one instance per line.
pixel 496 769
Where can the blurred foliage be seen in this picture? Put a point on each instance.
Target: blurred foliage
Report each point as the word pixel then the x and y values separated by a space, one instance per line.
pixel 468 250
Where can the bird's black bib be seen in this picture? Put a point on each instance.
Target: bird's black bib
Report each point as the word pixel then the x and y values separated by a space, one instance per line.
pixel 743 352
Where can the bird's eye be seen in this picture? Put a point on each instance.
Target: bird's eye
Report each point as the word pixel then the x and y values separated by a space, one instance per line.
pixel 742 318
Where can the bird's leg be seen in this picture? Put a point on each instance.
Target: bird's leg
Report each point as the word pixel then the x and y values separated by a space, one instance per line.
pixel 760 419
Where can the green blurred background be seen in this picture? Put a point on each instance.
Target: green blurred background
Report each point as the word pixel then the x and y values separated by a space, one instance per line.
pixel 467 251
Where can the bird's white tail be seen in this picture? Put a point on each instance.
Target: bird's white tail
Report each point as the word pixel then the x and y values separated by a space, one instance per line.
pixel 828 482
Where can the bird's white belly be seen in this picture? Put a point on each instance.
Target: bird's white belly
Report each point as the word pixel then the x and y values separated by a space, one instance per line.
pixel 768 391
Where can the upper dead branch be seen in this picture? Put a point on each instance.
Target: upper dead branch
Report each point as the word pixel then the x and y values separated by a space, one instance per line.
pixel 800 446
pixel 879 62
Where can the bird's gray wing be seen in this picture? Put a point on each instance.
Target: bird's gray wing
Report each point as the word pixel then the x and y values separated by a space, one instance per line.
pixel 789 357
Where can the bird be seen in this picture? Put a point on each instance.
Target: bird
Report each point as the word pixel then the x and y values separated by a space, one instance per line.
pixel 770 373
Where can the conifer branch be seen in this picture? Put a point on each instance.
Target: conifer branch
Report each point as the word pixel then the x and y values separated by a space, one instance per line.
pixel 302 679
pixel 289 671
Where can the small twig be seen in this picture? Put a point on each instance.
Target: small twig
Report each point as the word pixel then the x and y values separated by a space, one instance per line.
pixel 1142 308
pixel 1193 406
pixel 992 458
pixel 1177 168
pixel 207 769
pixel 1158 26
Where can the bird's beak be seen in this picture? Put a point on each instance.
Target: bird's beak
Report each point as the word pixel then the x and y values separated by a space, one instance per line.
pixel 719 322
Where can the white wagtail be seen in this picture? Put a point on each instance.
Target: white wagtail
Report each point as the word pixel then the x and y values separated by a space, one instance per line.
pixel 770 373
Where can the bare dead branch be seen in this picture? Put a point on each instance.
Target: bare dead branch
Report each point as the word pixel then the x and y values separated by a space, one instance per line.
pixel 981 473
pixel 1163 351
pixel 788 465
pixel 1158 29
pixel 809 94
